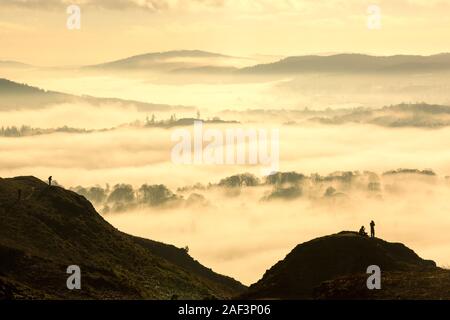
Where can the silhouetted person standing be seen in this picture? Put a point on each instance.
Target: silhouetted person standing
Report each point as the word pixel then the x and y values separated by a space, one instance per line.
pixel 372 229
pixel 50 180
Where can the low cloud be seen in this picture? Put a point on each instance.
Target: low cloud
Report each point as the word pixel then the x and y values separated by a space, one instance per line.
pixel 238 229
pixel 242 236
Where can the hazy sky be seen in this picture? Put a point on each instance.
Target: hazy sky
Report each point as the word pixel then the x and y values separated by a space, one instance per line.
pixel 34 31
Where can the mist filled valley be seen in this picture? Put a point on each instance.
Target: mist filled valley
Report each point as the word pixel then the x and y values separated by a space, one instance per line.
pixel 229 156
pixel 354 146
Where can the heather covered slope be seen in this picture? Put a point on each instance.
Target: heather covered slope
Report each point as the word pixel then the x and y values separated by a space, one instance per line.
pixel 330 257
pixel 51 228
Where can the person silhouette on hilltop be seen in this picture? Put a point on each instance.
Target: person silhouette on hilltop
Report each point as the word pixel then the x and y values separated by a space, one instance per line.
pixel 50 180
pixel 362 231
pixel 372 229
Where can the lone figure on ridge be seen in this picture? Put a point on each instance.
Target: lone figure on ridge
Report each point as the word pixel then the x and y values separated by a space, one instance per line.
pixel 372 229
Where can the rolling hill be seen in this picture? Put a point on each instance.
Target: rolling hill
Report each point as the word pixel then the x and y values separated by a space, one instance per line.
pixel 419 115
pixel 14 64
pixel 172 61
pixel 50 228
pixel 16 96
pixel 203 62
pixel 196 61
pixel 313 269
pixel 353 63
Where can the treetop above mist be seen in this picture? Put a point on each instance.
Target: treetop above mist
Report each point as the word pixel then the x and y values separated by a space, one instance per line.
pixel 277 186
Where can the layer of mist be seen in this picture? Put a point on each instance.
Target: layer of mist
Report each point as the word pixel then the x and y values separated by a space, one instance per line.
pixel 261 223
pixel 105 131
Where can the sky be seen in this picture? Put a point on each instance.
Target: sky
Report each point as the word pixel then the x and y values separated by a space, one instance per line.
pixel 35 32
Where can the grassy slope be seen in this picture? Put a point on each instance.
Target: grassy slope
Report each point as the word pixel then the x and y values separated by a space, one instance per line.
pixel 52 228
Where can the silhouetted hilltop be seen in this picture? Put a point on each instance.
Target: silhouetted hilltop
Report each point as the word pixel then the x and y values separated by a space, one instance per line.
pixel 51 228
pixel 326 258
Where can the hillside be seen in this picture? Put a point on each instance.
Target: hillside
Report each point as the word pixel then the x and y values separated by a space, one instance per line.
pixel 310 264
pixel 18 96
pixel 51 228
pixel 177 60
pixel 197 61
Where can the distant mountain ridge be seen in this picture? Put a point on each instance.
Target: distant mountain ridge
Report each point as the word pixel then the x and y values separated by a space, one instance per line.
pixel 353 63
pixel 166 61
pixel 13 64
pixel 333 63
pixel 198 61
pixel 18 96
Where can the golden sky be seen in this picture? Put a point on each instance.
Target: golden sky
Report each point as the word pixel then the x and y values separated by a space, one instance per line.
pixel 34 31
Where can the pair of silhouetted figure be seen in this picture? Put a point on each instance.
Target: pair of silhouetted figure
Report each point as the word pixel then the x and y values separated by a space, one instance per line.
pixel 362 230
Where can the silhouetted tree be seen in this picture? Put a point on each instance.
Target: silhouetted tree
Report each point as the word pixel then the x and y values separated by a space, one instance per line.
pixel 155 194
pixel 122 193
